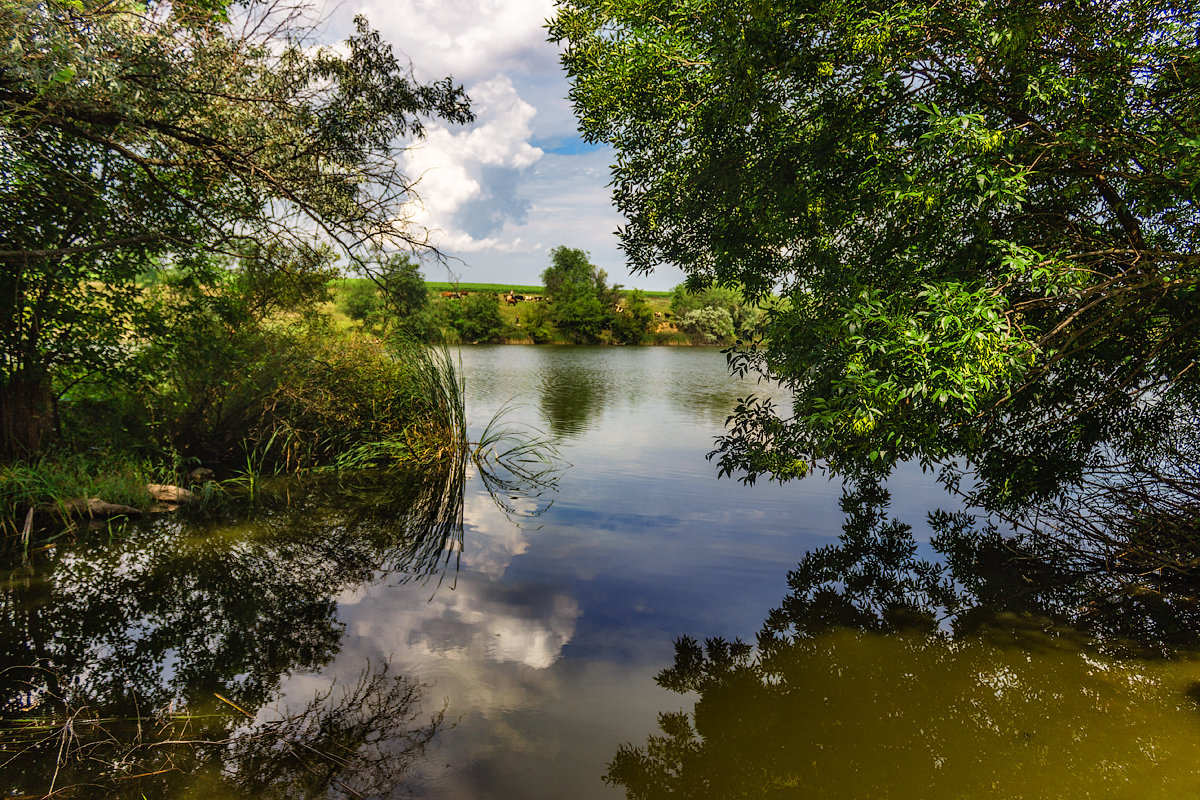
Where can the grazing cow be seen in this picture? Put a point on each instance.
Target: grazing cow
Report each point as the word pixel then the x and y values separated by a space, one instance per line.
pixel 508 298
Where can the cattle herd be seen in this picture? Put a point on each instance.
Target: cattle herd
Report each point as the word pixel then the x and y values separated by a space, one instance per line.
pixel 510 298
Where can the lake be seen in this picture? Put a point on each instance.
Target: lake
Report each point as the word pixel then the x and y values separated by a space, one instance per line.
pixel 518 657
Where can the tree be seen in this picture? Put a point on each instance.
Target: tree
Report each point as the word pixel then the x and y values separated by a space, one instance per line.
pixel 476 317
pixel 632 323
pixel 405 298
pixel 143 137
pixel 983 217
pixel 403 286
pixel 361 303
pixel 582 300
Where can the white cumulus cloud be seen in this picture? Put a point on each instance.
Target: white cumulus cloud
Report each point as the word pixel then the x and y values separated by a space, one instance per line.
pixel 467 177
pixel 468 39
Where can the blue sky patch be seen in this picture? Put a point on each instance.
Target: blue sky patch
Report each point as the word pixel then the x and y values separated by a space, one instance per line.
pixel 566 147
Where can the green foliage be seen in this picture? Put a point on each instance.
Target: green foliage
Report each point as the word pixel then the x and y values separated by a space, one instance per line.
pixel 707 325
pixel 360 302
pixel 297 397
pixel 984 221
pixel 220 386
pixel 583 302
pixel 403 287
pixel 632 324
pixel 539 323
pixel 743 317
pixel 580 316
pixel 53 478
pixel 181 140
pixel 475 318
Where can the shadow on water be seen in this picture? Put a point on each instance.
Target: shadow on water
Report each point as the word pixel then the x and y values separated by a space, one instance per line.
pixel 987 673
pixel 145 665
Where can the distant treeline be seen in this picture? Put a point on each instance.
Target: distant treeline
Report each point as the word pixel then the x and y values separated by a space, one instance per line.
pixel 575 305
pixel 505 288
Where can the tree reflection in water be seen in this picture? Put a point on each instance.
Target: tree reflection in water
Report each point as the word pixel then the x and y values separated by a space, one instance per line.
pixel 885 675
pixel 572 393
pixel 154 656
pixel 356 742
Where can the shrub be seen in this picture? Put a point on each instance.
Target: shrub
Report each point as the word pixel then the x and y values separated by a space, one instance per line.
pixel 476 318
pixel 538 323
pixel 285 396
pixel 360 302
pixel 632 324
pixel 707 326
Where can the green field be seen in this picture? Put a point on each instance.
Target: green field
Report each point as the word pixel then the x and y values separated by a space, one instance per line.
pixel 498 288
pixel 505 288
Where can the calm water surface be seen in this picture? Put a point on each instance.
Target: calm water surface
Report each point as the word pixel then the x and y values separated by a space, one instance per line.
pixel 543 645
pixel 547 646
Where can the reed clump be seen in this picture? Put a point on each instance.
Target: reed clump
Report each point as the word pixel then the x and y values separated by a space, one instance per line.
pixel 244 404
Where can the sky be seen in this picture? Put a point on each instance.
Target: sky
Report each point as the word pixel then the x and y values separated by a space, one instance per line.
pixel 500 194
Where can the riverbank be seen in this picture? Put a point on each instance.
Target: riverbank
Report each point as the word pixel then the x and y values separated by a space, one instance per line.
pixel 260 402
pixel 479 313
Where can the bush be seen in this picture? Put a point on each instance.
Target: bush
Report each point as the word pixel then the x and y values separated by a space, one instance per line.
pixel 360 302
pixel 632 324
pixel 707 326
pixel 475 318
pixel 225 390
pixel 539 324
pixel 744 316
pixel 581 317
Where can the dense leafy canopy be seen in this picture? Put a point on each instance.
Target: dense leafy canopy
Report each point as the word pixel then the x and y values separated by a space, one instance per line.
pixel 475 318
pixel 982 215
pixel 632 321
pixel 582 301
pixel 187 136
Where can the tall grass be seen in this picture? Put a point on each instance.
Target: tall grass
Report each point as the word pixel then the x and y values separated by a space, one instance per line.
pixel 346 405
pixel 52 479
pixel 438 430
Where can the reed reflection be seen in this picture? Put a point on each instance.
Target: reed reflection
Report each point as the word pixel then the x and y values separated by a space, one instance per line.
pixel 357 740
pixel 155 654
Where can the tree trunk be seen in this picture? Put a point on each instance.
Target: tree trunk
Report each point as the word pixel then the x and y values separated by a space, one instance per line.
pixel 26 416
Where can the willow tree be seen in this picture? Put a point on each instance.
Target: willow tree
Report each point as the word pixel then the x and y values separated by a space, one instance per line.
pixel 143 136
pixel 982 215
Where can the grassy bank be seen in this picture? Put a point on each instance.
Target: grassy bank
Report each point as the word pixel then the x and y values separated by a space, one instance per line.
pixel 258 401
